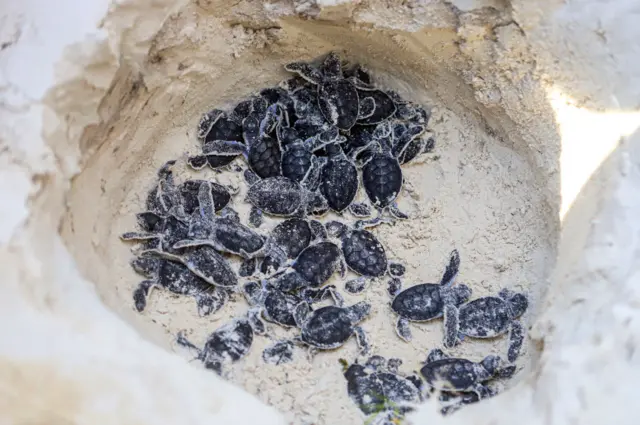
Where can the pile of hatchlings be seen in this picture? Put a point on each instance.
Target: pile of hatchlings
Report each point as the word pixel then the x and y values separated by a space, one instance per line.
pixel 308 145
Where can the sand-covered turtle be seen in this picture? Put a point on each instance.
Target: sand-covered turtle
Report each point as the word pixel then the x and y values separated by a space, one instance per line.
pixel 487 317
pixel 363 253
pixel 176 278
pixel 164 198
pixel 189 189
pixel 427 301
pixel 381 173
pixel 264 153
pixel 227 344
pixel 384 106
pixel 203 261
pixel 225 234
pixel 158 232
pixel 286 241
pixel 329 327
pixel 312 268
pixel 215 131
pixel 282 197
pixel 338 179
pixel 298 157
pixel 461 375
pixel 377 386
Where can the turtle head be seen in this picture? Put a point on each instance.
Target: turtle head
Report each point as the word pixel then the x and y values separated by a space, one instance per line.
pixel 353 371
pixel 336 229
pixel 491 364
pixel 460 294
pixel 518 304
pixel 359 311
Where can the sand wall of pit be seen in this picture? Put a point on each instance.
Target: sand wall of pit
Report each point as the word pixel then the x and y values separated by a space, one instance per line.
pixel 85 101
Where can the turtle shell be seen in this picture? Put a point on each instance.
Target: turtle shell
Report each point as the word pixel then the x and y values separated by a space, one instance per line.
pixel 279 308
pixel 381 390
pixel 339 182
pixel 339 103
pixel 278 196
pixel 224 129
pixel 177 278
pixel 327 327
pixel 382 179
pixel 364 254
pixel 232 341
pixel 419 303
pixel 385 108
pixel 450 374
pixel 292 236
pixel 317 263
pixel 206 263
pixel 296 162
pixel 189 191
pixel 265 157
pixel 236 237
pixel 484 317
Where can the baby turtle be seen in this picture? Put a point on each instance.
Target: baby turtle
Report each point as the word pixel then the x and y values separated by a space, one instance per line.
pixel 338 179
pixel 264 153
pixel 381 174
pixel 487 317
pixel 160 232
pixel 427 301
pixel 329 327
pixel 203 261
pixel 285 242
pixel 312 268
pixel 164 199
pixel 214 129
pixel 278 307
pixel 283 197
pixel 384 107
pixel 461 375
pixel 222 233
pixel 376 386
pixel 363 253
pixel 176 278
pixel 221 195
pixel 298 158
pixel 229 343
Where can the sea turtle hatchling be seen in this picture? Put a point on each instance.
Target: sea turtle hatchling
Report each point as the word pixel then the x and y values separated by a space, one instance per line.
pixel 229 343
pixel 221 195
pixel 286 241
pixel 282 197
pixel 312 268
pixel 450 374
pixel 222 233
pixel 203 261
pixel 377 386
pixel 381 173
pixel 298 157
pixel 329 327
pixel 176 278
pixel 338 98
pixel 363 253
pixel 338 179
pixel 426 301
pixel 264 153
pixel 487 317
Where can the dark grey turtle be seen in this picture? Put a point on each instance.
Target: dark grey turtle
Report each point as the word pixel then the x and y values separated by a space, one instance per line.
pixel 298 158
pixel 426 301
pixel 207 121
pixel 203 261
pixel 312 268
pixel 487 317
pixel 384 106
pixel 227 344
pixel 222 129
pixel 283 197
pixel 418 146
pixel 329 327
pixel 363 253
pixel 381 174
pixel 407 143
pixel 445 373
pixel 264 154
pixel 275 305
pixel 377 386
pixel 217 133
pixel 224 234
pixel 338 179
pixel 220 194
pixel 278 353
pixel 164 199
pixel 285 242
pixel 176 278
pixel 337 97
pixel 160 232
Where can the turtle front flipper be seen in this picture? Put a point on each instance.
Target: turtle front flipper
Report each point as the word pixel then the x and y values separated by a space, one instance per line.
pixel 451 326
pixel 516 338
pixel 451 271
pixel 361 339
pixel 403 330
pixel 141 293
